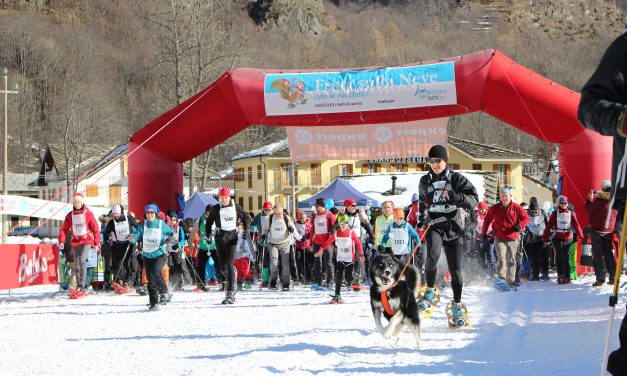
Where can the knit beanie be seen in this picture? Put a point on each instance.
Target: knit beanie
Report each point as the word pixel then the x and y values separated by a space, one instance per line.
pixel 438 151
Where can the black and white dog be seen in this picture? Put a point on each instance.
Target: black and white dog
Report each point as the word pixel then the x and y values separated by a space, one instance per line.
pixel 398 303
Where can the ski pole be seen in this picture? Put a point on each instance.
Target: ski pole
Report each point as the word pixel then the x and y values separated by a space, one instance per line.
pixel 614 296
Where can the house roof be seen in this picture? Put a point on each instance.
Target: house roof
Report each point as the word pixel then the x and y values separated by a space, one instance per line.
pixel 20 182
pixel 279 148
pixel 487 153
pixel 92 157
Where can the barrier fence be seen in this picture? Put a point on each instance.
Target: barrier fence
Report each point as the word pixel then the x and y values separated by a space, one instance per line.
pixel 23 265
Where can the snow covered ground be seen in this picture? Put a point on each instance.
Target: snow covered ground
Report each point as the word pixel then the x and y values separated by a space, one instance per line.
pixel 543 329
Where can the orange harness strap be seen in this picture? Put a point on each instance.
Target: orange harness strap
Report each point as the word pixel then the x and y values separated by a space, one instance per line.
pixel 386 304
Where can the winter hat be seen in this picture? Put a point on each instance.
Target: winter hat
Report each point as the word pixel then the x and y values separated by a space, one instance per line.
pixel 415 197
pixel 267 205
pixel 399 213
pixel 563 200
pixel 78 197
pixel 438 151
pixel 225 192
pixel 342 218
pixel 152 207
pixel 117 209
pixel 606 185
pixel 533 206
pixel 482 205
pixel 350 202
pixel 320 202
pixel 506 190
pixel 171 212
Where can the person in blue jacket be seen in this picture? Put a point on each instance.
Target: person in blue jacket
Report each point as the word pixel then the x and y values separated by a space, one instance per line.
pixel 400 234
pixel 154 235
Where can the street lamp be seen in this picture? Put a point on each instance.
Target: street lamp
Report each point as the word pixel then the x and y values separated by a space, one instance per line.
pixel 5 192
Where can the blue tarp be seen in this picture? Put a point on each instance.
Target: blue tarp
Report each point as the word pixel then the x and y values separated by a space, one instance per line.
pixel 339 191
pixel 195 206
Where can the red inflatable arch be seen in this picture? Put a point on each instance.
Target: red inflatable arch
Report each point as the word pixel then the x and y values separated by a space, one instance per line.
pixel 486 81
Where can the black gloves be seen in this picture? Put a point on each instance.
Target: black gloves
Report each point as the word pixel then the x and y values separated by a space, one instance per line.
pixel 454 196
pixel 175 246
pixel 516 228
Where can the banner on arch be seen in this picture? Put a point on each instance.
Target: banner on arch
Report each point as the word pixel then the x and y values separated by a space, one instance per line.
pixel 362 142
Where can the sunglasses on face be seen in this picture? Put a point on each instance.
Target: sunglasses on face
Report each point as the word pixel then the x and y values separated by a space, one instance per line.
pixel 150 212
pixel 534 212
pixel 563 203
pixel 435 160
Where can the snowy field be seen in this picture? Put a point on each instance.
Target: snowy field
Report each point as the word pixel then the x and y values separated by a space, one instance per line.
pixel 543 329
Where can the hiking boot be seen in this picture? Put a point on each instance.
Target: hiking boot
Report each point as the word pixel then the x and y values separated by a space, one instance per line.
pixel 272 284
pixel 534 278
pixel 229 297
pixel 611 281
pixel 598 283
pixel 337 299
pixel 153 307
pixel 545 277
pixel 429 295
pixel 560 279
pixel 457 311
pixel 263 285
pixel 286 287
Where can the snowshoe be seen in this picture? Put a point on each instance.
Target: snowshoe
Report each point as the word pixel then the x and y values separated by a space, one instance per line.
pixel 285 288
pixel 76 294
pixel 142 290
pixel 457 315
pixel 356 288
pixel 165 298
pixel 427 300
pixel 247 285
pixel 119 289
pixel 501 285
pixel 200 289
pixel 212 283
pixel 337 299
pixel 263 285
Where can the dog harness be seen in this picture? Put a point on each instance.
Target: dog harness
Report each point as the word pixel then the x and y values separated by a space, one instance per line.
pixel 386 304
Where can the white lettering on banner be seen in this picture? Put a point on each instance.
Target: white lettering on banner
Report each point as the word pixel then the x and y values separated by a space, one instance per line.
pixel 32 267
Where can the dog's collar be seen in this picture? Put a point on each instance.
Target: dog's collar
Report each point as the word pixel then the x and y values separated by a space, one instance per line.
pixel 386 304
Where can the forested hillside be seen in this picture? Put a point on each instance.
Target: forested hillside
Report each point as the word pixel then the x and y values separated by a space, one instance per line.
pixel 93 71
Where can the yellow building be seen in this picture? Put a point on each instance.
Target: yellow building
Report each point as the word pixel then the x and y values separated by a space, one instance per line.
pixel 264 174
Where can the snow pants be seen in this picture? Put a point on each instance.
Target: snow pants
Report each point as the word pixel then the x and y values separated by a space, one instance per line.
pixel 344 270
pixel 201 266
pixel 227 244
pixel 156 282
pixel 562 257
pixel 327 259
pixel 453 249
pixel 602 256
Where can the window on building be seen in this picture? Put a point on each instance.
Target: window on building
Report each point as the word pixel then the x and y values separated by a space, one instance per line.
pixel 259 172
pixel 239 174
pixel 476 166
pixel 399 167
pixel 503 173
pixel 240 202
pixel 454 166
pixel 250 177
pixel 259 201
pixel 422 167
pixel 250 201
pixel 285 174
pixel 91 190
pixel 115 194
pixel 316 174
pixel 344 169
pixel 370 168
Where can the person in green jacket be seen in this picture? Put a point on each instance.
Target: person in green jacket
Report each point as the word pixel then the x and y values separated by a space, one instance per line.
pixel 206 249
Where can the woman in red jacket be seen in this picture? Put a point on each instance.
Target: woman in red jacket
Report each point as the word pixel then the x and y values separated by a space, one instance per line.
pixel 85 234
pixel 562 223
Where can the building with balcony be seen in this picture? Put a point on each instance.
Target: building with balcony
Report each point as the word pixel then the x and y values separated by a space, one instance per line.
pixel 264 174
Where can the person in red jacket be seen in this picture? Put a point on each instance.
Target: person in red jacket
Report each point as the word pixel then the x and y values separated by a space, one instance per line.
pixel 304 255
pixel 602 231
pixel 323 222
pixel 85 235
pixel 508 219
pixel 345 240
pixel 561 224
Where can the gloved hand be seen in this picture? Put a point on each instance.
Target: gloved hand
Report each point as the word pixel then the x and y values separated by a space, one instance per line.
pixel 454 196
pixel 516 228
pixel 175 246
pixel 423 223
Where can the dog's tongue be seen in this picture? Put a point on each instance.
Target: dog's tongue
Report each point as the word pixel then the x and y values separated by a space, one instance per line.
pixel 385 279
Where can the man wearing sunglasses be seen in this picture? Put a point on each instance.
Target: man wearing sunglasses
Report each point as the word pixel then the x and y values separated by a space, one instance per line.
pixel 442 193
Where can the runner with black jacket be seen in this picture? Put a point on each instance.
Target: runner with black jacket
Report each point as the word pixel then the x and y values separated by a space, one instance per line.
pixel 225 215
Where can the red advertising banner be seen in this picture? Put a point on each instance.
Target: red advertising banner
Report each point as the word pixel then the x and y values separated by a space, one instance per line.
pixel 24 265
pixel 362 142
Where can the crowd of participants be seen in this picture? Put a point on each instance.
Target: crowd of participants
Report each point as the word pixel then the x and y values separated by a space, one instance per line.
pixel 230 250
